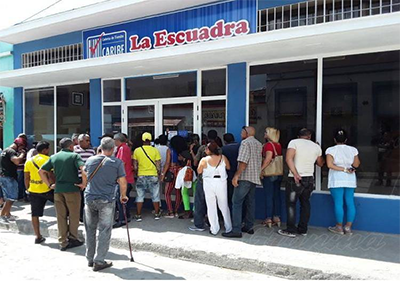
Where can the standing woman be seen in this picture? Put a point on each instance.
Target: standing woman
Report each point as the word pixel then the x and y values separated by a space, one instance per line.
pixel 272 184
pixel 213 168
pixel 342 161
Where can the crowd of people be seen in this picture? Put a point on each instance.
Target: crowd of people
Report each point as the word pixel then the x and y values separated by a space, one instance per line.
pixel 95 185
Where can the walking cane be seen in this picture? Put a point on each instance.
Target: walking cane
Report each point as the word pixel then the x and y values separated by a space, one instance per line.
pixel 127 230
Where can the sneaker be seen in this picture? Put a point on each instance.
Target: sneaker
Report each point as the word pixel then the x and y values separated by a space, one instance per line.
pixel 11 218
pixel 40 240
pixel 335 229
pixel 4 220
pixel 169 215
pixel 157 216
pixel 138 218
pixel 195 228
pixel 286 233
pixel 101 266
pixel 347 230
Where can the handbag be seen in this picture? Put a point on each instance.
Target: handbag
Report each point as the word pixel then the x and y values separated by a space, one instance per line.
pixel 188 172
pixel 275 167
pixel 169 176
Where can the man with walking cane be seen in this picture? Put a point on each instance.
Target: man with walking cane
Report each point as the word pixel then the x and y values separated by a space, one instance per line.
pixel 105 172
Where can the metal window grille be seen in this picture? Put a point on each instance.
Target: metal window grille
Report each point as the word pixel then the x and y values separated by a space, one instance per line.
pixel 52 56
pixel 321 11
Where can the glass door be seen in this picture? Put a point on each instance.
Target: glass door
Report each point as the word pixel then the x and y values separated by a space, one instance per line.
pixel 171 117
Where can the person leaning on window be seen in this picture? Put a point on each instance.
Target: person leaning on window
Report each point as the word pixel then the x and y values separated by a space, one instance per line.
pixel 342 161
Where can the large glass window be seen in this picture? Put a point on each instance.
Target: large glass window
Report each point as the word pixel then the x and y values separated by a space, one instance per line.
pixel 178 119
pixel 361 95
pixel 39 115
pixel 112 90
pixel 73 110
pixel 161 86
pixel 112 119
pixel 213 82
pixel 283 96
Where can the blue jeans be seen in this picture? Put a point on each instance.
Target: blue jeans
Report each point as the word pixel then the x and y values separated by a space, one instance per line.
pixel 121 217
pixel 99 214
pixel 345 194
pixel 272 192
pixel 200 206
pixel 9 188
pixel 244 194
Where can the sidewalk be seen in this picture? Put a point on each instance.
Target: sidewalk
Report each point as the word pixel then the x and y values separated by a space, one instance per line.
pixel 319 255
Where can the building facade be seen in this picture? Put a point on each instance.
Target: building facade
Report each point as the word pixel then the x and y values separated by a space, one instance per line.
pixel 182 68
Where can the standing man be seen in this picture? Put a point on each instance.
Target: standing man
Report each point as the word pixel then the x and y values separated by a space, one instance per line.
pixel 104 171
pixel 231 151
pixel 74 138
pixel 39 192
pixel 301 155
pixel 9 159
pixel 85 151
pixel 245 180
pixel 23 141
pixel 67 196
pixel 124 153
pixel 147 164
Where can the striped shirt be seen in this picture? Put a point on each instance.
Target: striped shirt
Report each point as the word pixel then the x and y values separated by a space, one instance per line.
pixel 84 153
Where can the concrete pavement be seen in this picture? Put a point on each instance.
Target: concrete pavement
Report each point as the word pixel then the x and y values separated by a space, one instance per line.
pixel 319 255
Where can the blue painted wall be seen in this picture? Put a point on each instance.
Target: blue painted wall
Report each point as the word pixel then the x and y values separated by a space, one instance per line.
pixel 95 111
pixel 373 214
pixel 46 43
pixel 6 63
pixel 264 4
pixel 236 109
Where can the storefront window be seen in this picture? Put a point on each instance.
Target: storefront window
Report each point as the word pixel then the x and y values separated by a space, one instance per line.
pixel 112 119
pixel 112 90
pixel 39 115
pixel 161 86
pixel 213 83
pixel 73 110
pixel 361 95
pixel 214 116
pixel 283 96
pixel 178 119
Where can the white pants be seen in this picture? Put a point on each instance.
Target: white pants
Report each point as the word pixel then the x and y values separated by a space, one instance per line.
pixel 216 192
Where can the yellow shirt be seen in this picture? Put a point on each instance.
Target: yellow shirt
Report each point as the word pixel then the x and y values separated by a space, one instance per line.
pixel 145 166
pixel 36 184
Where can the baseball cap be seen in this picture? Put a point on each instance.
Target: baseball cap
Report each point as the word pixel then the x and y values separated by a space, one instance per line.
pixel 146 136
pixel 20 141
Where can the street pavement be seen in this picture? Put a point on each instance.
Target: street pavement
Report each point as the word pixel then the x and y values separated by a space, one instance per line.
pixel 21 259
pixel 319 255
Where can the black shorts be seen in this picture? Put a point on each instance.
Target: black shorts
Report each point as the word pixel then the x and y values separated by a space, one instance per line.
pixel 38 201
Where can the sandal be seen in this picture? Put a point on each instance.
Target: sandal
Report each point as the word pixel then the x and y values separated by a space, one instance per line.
pixel 277 221
pixel 267 223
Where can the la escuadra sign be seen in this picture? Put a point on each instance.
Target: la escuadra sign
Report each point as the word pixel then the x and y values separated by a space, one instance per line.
pixel 233 18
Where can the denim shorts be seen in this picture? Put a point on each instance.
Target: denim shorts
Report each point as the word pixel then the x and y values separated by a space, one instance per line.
pixel 149 183
pixel 9 187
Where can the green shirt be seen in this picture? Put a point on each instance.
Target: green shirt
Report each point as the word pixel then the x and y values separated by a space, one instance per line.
pixel 65 165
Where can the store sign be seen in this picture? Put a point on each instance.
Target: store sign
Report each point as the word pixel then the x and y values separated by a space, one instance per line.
pixel 207 23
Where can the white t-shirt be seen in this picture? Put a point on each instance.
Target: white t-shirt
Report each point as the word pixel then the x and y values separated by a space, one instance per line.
pixel 163 149
pixel 307 153
pixel 343 156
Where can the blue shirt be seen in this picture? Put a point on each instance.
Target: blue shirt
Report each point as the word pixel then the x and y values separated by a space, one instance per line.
pixel 104 183
pixel 231 151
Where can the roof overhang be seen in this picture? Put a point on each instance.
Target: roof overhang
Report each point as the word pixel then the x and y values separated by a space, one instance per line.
pixel 99 14
pixel 335 39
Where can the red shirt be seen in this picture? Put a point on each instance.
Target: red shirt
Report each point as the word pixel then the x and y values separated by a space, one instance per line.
pixel 268 147
pixel 124 154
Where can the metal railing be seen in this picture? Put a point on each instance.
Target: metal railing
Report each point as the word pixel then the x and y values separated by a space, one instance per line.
pixel 321 11
pixel 52 56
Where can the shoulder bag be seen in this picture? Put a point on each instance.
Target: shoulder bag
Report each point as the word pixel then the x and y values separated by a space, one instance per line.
pixel 275 167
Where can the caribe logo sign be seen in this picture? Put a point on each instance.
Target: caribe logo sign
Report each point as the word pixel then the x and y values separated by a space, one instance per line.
pixel 107 44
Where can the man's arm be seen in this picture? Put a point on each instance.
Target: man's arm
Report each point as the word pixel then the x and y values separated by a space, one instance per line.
pixel 18 159
pixel 320 161
pixel 83 184
pixel 158 166
pixel 290 153
pixel 44 176
pixel 135 166
pixel 241 167
pixel 27 178
pixel 122 189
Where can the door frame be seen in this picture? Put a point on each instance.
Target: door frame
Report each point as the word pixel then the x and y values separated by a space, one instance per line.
pixel 158 112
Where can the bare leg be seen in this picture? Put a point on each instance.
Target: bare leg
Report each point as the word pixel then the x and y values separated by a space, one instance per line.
pixel 156 207
pixel 7 208
pixel 139 207
pixel 36 226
